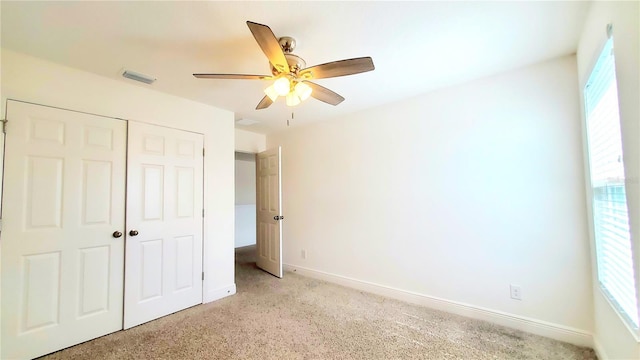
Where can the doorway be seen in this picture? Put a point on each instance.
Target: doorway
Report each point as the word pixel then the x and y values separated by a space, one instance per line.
pixel 245 200
pixel 268 204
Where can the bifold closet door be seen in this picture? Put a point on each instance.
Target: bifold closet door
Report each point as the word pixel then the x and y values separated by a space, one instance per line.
pixel 63 215
pixel 164 222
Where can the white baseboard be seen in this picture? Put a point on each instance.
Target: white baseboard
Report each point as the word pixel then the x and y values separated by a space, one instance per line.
pixel 597 347
pixel 534 326
pixel 219 293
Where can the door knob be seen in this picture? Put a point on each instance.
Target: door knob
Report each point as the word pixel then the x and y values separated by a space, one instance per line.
pixel 276 218
pixel 117 234
pixel 133 232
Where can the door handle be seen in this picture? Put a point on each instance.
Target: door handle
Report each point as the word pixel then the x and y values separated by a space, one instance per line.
pixel 133 232
pixel 116 234
pixel 276 218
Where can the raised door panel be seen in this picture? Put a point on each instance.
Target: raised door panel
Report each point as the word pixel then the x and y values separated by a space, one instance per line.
pixel 151 259
pixel 41 291
pixel 263 184
pixel 93 280
pixel 44 192
pixel 272 191
pixel 96 192
pixel 98 137
pixel 152 192
pixel 44 130
pixel 262 241
pixel 185 191
pixel 184 259
pixel 152 144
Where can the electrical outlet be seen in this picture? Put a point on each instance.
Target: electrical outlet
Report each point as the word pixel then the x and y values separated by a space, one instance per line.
pixel 303 254
pixel 516 292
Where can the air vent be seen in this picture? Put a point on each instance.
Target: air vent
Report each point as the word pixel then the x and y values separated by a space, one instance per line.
pixel 138 77
pixel 246 122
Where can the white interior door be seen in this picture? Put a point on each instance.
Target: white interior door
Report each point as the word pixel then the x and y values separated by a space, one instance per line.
pixel 64 193
pixel 268 205
pixel 164 222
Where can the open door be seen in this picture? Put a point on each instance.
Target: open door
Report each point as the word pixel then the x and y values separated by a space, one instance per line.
pixel 268 207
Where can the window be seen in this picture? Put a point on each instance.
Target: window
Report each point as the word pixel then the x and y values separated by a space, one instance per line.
pixel 610 214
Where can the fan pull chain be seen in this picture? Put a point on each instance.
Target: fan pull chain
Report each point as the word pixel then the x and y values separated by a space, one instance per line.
pixel 291 118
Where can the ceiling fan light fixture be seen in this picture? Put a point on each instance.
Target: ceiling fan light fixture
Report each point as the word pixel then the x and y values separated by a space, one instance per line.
pixel 271 93
pixel 282 86
pixel 303 91
pixel 292 99
pixel 289 72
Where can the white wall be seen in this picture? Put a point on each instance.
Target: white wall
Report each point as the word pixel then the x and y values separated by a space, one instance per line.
pixel 245 228
pixel 34 80
pixel 245 178
pixel 250 142
pixel 453 195
pixel 613 339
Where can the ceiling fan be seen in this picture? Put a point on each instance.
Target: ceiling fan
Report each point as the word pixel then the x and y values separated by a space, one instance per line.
pixel 292 77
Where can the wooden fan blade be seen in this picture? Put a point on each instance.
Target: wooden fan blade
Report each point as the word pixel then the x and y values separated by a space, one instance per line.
pixel 339 68
pixel 323 94
pixel 232 76
pixel 270 46
pixel 264 103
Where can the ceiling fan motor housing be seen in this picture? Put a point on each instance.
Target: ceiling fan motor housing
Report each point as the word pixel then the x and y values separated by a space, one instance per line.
pixel 287 43
pixel 296 63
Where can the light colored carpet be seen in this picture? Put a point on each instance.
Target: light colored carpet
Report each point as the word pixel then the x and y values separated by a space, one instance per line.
pixel 302 318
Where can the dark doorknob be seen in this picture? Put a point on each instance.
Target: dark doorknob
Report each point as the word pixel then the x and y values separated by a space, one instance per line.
pixel 133 232
pixel 278 217
pixel 117 234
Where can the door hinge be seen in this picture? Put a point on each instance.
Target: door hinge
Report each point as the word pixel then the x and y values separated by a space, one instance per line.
pixel 202 151
pixel 0 224
pixel 4 126
pixel 203 275
pixel 202 212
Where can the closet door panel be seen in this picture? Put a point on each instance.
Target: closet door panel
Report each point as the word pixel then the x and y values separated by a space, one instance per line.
pixel 164 222
pixel 64 197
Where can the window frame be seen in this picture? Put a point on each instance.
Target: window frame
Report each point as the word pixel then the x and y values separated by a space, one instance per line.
pixel 635 331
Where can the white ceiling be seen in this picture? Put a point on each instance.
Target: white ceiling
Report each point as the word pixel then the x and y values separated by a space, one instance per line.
pixel 416 46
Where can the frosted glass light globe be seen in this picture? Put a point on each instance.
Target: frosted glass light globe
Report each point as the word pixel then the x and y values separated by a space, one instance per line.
pixel 271 93
pixel 292 99
pixel 282 86
pixel 303 91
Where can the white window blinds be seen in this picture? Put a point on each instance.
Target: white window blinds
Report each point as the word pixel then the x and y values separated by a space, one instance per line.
pixel 610 214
